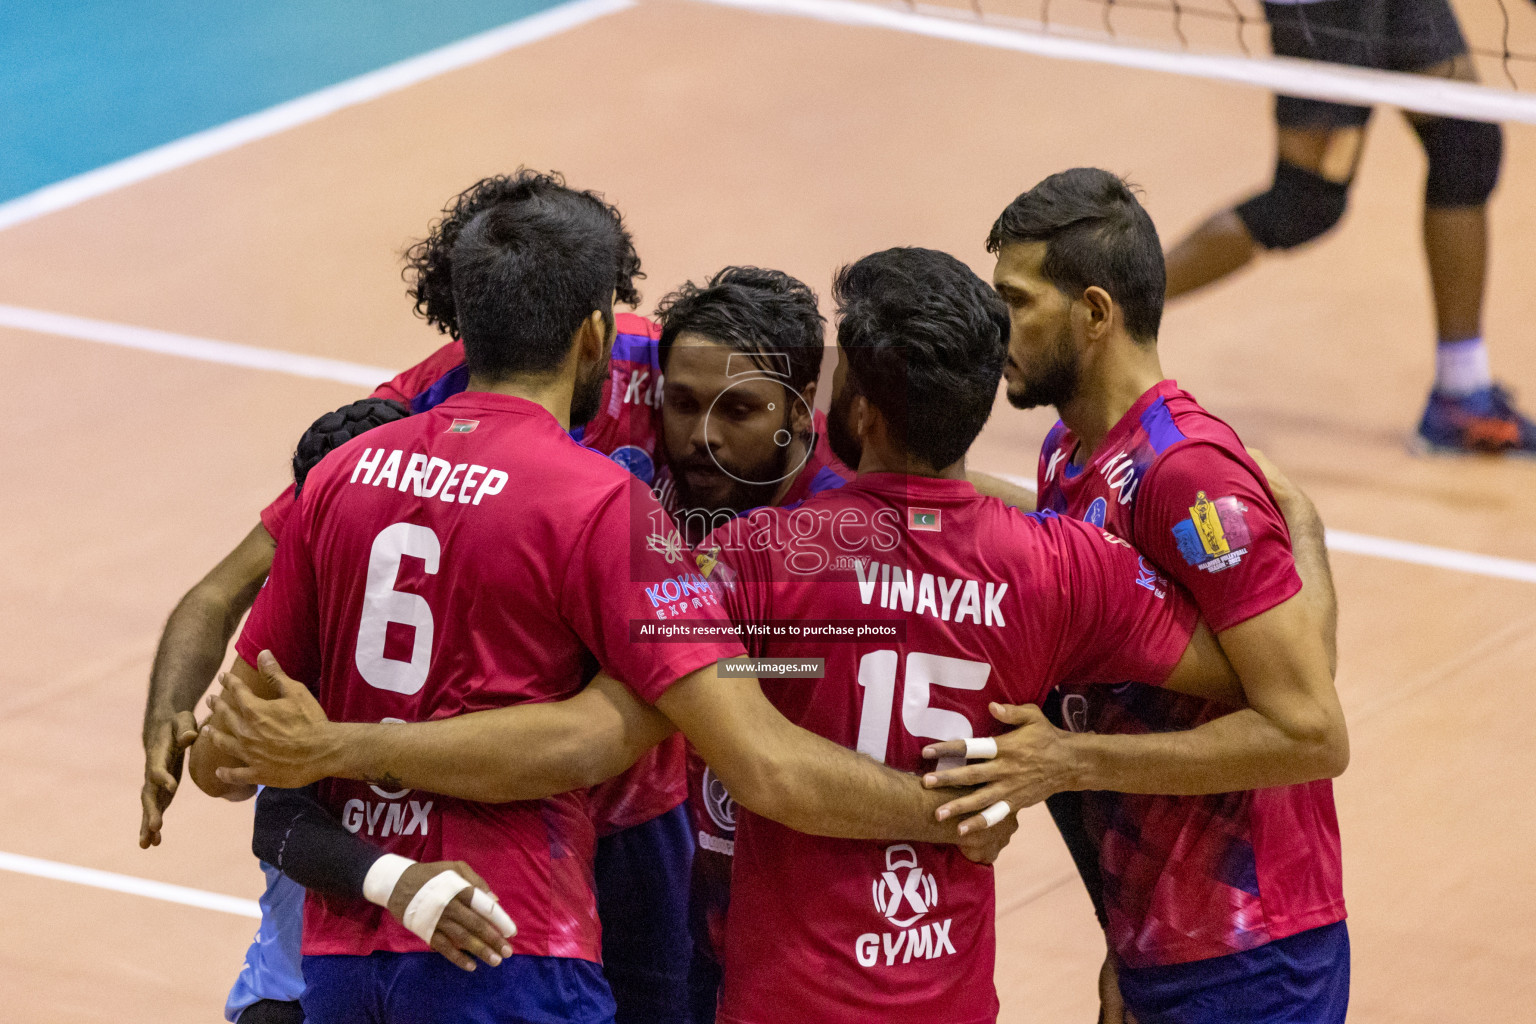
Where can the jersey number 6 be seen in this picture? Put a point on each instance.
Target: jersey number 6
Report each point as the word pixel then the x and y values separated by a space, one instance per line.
pixel 877 677
pixel 383 604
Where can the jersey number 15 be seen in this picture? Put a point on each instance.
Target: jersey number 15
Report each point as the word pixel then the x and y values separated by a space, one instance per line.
pixel 877 677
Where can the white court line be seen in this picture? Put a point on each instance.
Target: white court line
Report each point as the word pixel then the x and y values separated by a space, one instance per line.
pixel 203 349
pixel 369 377
pixel 1313 79
pixel 1395 550
pixel 304 109
pixel 164 891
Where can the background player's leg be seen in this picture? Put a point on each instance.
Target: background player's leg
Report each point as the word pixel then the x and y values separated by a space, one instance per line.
pixel 1318 148
pixel 1314 168
pixel 1466 411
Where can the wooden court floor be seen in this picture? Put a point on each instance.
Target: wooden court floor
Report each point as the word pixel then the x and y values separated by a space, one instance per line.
pixel 729 137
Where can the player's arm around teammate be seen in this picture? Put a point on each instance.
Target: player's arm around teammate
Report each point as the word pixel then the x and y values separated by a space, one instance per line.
pixel 1292 730
pixel 191 648
pixel 533 751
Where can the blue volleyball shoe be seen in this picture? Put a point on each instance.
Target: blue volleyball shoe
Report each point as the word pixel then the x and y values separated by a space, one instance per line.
pixel 1485 422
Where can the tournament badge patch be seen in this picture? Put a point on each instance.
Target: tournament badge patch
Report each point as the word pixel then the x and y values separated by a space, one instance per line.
pixel 930 519
pixel 1215 536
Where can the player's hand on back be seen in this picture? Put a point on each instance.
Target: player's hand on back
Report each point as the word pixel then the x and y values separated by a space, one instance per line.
pixel 165 749
pixel 472 926
pixel 283 741
pixel 1032 762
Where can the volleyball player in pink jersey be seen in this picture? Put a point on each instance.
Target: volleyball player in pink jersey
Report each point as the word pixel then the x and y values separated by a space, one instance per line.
pixel 1222 907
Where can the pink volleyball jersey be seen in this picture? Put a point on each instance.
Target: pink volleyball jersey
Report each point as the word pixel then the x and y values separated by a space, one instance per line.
pixel 961 601
pixel 625 430
pixel 1187 878
pixel 472 556
pixel 709 802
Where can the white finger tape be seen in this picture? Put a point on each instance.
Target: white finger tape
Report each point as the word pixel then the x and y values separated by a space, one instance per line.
pixel 379 884
pixel 427 906
pixel 996 813
pixel 982 748
pixel 482 904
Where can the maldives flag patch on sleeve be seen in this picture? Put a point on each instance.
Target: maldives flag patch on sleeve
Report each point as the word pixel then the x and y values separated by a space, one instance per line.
pixel 930 519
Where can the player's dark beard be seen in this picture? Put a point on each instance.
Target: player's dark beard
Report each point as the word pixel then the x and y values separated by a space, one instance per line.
pixel 588 395
pixel 1053 380
pixel 840 433
pixel 744 486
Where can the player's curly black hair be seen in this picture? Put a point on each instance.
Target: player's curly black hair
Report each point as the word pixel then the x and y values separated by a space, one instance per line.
pixel 429 266
pixel 335 429
pixel 756 311
pixel 925 340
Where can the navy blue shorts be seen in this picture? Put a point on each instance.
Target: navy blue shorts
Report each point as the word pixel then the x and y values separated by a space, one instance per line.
pixel 415 988
pixel 642 876
pixel 1300 979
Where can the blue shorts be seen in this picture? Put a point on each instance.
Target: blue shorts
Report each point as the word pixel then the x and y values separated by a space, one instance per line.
pixel 1300 979
pixel 642 876
pixel 271 971
pixel 413 988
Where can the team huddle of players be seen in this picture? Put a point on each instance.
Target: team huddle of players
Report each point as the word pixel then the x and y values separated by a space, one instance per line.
pixel 510 796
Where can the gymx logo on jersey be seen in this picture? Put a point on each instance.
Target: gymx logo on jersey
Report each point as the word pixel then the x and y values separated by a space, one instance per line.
pixel 391 819
pixel 904 894
pixel 1215 536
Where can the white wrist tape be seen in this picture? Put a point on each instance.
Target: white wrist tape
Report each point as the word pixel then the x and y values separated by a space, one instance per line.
pixel 980 748
pixel 427 906
pixel 996 813
pixel 380 882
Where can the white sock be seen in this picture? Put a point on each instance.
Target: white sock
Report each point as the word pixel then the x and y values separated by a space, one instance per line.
pixel 1461 367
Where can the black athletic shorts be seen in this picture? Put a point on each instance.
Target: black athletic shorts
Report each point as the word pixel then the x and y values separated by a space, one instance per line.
pixel 1389 35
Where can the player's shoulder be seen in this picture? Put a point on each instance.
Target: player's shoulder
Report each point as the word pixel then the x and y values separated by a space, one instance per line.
pixel 1057 436
pixel 428 377
pixel 635 325
pixel 1037 551
pixel 635 339
pixel 1177 418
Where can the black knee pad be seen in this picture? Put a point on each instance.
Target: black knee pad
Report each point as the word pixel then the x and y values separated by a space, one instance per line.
pixel 1298 207
pixel 1464 160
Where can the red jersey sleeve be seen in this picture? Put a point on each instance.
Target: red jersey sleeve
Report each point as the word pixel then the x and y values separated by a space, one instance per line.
pixel 1209 520
pixel 275 516
pixel 407 384
pixel 629 566
pixel 1119 619
pixel 285 618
